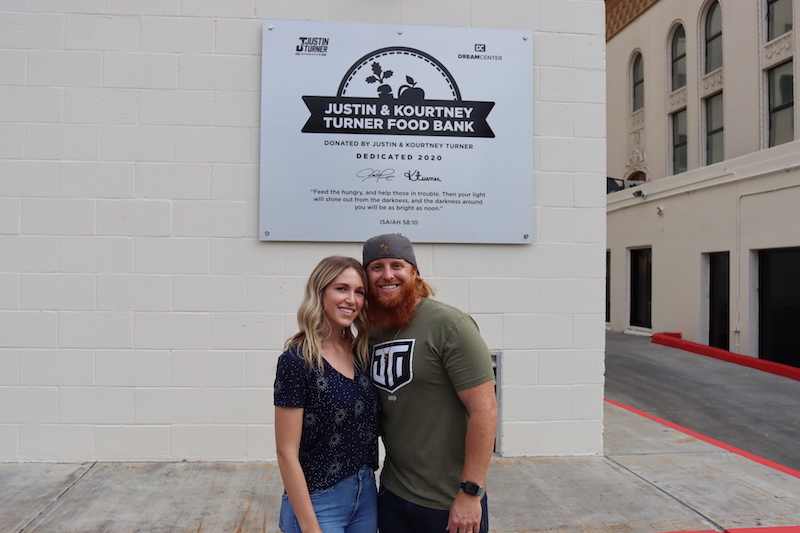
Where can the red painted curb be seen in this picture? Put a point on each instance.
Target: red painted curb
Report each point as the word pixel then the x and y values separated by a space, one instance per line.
pixel 701 531
pixel 718 444
pixel 785 529
pixel 779 529
pixel 674 340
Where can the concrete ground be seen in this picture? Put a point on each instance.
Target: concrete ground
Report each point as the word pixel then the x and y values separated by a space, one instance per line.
pixel 651 478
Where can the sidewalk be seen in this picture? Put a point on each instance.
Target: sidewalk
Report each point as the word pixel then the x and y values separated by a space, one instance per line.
pixel 652 478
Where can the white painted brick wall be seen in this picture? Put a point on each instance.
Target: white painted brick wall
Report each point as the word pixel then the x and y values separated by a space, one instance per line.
pixel 214 145
pixel 100 329
pixel 9 367
pixel 56 367
pixel 173 331
pixel 29 329
pixel 11 140
pixel 56 442
pixel 171 406
pixel 61 141
pixel 247 331
pixel 97 179
pixel 57 68
pixel 9 439
pixel 171 256
pixel 14 63
pixel 34 104
pixel 101 32
pixel 200 293
pixel 34 31
pixel 216 218
pixel 190 108
pixel 57 216
pixel 133 443
pixel 9 215
pixel 95 254
pixel 237 36
pixel 133 368
pixel 100 106
pixel 228 443
pixel 240 406
pixel 95 405
pixel 176 35
pixel 140 71
pixel 141 319
pixel 207 369
pixel 174 181
pixel 133 217
pixel 143 7
pixel 31 405
pixel 260 441
pixel 277 295
pixel 137 143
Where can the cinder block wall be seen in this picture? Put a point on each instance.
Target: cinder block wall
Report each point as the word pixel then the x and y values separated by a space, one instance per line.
pixel 140 317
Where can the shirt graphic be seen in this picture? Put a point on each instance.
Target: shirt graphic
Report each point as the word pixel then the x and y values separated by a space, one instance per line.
pixel 391 364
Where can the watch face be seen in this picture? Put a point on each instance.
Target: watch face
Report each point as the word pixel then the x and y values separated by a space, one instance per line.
pixel 471 488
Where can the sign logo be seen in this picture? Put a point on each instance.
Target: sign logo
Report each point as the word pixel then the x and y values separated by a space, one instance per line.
pixel 480 47
pixel 391 364
pixel 398 91
pixel 312 46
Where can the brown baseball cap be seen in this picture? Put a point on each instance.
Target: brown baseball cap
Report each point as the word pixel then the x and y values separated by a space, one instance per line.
pixel 391 245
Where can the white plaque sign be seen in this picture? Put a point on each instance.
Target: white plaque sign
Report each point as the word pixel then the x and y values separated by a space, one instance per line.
pixel 420 130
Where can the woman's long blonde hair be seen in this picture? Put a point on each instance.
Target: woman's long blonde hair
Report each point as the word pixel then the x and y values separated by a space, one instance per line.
pixel 312 321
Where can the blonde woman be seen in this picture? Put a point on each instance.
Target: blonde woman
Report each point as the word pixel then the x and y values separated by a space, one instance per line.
pixel 326 410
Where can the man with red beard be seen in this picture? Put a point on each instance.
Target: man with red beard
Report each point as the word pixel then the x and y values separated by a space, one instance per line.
pixel 435 382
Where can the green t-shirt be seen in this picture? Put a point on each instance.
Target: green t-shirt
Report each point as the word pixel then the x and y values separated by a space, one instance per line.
pixel 418 369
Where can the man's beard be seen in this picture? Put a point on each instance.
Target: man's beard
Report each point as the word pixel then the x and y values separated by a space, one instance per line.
pixel 395 310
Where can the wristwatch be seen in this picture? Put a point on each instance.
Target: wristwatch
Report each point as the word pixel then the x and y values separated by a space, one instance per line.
pixel 472 488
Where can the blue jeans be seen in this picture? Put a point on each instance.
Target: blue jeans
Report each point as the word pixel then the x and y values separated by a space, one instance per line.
pixel 350 506
pixel 396 515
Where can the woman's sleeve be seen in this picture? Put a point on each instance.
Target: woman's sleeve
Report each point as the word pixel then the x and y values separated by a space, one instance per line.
pixel 289 381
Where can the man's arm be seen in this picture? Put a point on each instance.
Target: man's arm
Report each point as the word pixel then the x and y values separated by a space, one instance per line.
pixel 481 404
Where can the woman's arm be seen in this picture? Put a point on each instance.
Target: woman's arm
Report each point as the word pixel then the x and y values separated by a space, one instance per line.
pixel 288 429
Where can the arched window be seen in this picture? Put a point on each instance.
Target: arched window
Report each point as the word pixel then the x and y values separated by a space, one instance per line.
pixel 678 55
pixel 634 178
pixel 779 18
pixel 713 38
pixel 638 82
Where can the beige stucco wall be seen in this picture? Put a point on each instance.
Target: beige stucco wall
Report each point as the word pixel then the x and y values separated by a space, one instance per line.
pixel 745 203
pixel 740 77
pixel 740 206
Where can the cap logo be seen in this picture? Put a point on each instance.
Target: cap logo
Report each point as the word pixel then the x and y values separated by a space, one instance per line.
pixel 384 249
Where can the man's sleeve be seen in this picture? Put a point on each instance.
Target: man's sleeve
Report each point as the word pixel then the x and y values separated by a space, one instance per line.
pixel 466 357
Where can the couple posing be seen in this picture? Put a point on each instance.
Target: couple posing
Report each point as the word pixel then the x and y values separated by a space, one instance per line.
pixel 421 372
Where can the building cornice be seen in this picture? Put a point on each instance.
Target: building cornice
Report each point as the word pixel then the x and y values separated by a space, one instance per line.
pixel 620 13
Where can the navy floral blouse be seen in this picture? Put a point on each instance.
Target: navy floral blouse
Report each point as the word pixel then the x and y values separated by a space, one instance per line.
pixel 340 418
